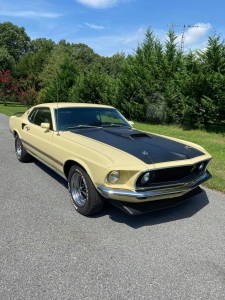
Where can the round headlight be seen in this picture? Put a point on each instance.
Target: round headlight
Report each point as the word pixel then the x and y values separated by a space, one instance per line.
pixel 201 167
pixel 113 176
pixel 145 178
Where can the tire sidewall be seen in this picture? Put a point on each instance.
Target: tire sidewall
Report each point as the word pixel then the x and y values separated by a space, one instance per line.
pixel 20 158
pixel 84 210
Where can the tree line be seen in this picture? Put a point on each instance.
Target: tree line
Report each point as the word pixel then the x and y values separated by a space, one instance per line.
pixel 157 83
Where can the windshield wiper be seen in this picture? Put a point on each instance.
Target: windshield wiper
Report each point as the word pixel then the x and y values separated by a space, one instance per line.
pixel 115 125
pixel 82 126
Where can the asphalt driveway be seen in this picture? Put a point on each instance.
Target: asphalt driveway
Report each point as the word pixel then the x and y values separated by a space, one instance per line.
pixel 49 251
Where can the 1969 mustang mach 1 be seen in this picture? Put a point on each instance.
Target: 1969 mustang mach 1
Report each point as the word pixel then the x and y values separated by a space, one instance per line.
pixel 103 157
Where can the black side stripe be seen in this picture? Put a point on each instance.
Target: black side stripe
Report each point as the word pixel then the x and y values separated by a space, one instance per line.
pixel 43 153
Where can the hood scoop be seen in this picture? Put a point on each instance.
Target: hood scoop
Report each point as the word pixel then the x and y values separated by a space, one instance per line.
pixel 132 136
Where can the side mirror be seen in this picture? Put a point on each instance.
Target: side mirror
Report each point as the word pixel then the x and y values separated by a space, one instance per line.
pixel 45 125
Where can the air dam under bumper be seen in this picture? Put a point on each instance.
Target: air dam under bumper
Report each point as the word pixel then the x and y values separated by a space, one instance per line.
pixel 144 207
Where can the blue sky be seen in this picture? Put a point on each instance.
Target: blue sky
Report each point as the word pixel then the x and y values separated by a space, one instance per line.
pixel 111 26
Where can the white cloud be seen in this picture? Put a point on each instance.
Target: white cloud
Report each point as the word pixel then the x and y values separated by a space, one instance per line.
pixel 105 45
pixel 100 3
pixel 135 38
pixel 29 14
pixel 112 44
pixel 94 26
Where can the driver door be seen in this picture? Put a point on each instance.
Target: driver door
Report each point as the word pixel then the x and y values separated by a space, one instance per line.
pixel 38 140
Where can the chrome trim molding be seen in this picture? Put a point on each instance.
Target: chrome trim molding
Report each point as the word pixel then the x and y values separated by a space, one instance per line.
pixel 186 187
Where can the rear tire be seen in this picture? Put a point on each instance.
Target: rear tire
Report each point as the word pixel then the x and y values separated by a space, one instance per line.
pixel 85 198
pixel 21 152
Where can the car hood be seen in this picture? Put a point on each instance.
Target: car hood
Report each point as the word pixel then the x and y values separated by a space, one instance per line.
pixel 149 148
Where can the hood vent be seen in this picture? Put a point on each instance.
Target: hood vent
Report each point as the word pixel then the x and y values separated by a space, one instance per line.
pixel 139 135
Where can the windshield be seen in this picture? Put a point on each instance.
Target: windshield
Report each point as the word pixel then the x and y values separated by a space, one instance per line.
pixel 88 117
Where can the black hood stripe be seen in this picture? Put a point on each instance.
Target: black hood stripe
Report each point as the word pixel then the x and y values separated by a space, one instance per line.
pixel 149 148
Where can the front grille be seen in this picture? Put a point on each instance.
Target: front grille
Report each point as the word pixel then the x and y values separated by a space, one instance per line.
pixel 169 175
pixel 172 174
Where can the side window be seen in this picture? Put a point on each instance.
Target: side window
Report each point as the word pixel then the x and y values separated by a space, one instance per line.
pixel 32 115
pixel 43 115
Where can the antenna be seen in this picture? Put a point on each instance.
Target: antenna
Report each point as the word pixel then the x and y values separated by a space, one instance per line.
pixel 58 46
pixel 184 28
pixel 57 97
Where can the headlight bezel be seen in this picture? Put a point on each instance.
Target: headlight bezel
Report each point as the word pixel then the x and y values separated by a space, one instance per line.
pixel 113 177
pixel 143 183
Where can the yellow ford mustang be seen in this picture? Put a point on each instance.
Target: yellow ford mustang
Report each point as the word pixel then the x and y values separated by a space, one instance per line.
pixel 102 157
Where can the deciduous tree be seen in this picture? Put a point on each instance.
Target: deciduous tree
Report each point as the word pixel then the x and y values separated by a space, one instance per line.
pixel 14 39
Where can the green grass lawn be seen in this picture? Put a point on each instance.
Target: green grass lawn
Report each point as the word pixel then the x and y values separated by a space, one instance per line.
pixel 11 108
pixel 213 140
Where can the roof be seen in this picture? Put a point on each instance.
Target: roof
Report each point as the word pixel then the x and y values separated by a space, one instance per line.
pixel 71 104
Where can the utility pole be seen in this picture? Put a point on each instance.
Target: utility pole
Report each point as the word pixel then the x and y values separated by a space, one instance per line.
pixel 184 28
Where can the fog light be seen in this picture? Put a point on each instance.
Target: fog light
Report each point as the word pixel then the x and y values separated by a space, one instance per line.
pixel 201 167
pixel 113 176
pixel 145 178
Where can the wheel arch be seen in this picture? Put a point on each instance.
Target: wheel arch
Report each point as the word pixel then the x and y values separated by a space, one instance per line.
pixel 15 133
pixel 69 163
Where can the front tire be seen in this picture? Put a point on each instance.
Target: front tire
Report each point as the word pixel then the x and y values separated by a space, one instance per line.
pixel 21 152
pixel 85 198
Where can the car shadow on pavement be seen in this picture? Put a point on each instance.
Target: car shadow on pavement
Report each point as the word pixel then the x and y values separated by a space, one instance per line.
pixel 51 173
pixel 183 210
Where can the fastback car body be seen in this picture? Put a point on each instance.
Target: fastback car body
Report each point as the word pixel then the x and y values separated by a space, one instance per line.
pixel 103 157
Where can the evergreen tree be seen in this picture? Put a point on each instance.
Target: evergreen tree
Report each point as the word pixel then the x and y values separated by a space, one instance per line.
pixel 94 87
pixel 64 79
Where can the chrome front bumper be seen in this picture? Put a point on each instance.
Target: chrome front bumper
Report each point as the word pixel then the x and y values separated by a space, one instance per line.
pixel 154 194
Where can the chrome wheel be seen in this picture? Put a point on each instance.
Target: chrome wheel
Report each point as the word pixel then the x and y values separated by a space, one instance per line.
pixel 18 148
pixel 78 189
pixel 83 193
